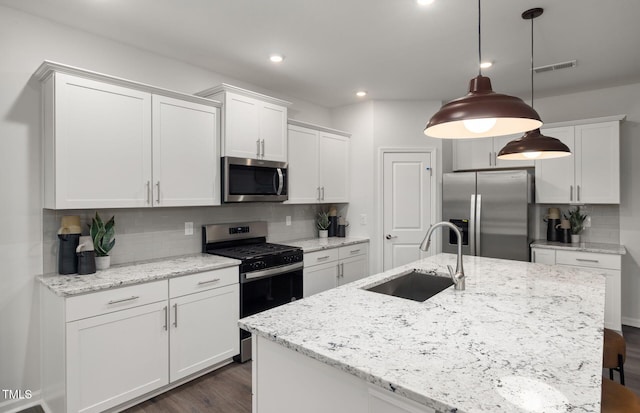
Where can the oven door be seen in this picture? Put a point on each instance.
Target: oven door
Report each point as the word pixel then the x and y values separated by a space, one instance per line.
pixel 265 292
pixel 253 180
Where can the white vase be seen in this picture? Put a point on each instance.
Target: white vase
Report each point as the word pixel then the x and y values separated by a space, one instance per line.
pixel 323 233
pixel 102 263
pixel 575 238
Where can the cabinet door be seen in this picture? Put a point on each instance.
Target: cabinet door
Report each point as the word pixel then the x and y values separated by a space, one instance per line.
pixel 241 126
pixel 499 143
pixel 115 357
pixel 555 177
pixel 334 167
pixel 303 166
pixel 273 132
pixel 387 402
pixel 204 330
pixel 185 155
pixel 472 154
pixel 353 269
pixel 598 163
pixel 319 278
pixel 102 145
pixel 543 256
pixel 612 301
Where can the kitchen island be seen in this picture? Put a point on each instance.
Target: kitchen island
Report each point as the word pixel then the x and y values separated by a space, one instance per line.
pixel 522 338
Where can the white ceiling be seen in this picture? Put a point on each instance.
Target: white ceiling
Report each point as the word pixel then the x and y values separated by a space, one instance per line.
pixel 394 49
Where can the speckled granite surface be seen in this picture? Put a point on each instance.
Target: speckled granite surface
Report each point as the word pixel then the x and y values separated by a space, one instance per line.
pixel 121 275
pixel 523 337
pixel 583 246
pixel 317 244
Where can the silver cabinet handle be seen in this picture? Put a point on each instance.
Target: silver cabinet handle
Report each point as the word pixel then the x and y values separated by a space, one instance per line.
pixel 586 260
pixel 318 188
pixel 322 258
pixel 133 297
pixel 262 148
pixel 342 269
pixel 389 236
pixel 489 158
pixel 578 193
pixel 533 256
pixel 258 148
pixel 571 193
pixel 355 251
pixel 175 315
pixel 158 194
pixel 166 316
pixel 322 193
pixel 495 159
pixel 215 280
pixel 148 192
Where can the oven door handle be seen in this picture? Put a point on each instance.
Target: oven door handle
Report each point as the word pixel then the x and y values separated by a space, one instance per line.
pixel 270 272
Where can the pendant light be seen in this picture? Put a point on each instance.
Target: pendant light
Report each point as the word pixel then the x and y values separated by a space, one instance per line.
pixel 482 112
pixel 533 145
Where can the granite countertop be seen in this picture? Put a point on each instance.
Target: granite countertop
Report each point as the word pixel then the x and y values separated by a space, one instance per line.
pixel 136 273
pixel 522 335
pixel 318 244
pixel 582 246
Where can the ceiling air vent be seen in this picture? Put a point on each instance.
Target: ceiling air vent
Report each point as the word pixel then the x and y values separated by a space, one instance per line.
pixel 555 66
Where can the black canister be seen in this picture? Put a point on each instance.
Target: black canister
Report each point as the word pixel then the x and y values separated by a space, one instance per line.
pixel 565 235
pixel 333 226
pixel 552 233
pixel 67 259
pixel 86 262
pixel 342 231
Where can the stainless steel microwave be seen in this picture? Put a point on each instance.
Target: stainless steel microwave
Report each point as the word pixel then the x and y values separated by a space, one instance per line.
pixel 253 180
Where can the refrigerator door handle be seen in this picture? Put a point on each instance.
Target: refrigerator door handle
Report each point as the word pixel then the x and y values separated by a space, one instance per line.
pixel 478 228
pixel 472 226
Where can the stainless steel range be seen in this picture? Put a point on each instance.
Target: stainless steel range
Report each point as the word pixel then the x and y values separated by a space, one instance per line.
pixel 270 274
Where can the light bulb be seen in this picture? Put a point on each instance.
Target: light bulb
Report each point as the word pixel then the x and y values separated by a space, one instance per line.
pixel 479 125
pixel 424 2
pixel 276 58
pixel 361 93
pixel 531 155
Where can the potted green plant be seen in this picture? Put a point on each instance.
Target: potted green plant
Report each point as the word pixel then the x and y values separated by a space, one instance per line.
pixel 103 236
pixel 322 222
pixel 576 220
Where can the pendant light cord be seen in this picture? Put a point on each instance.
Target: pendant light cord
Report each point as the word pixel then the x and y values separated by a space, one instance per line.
pixel 479 39
pixel 532 63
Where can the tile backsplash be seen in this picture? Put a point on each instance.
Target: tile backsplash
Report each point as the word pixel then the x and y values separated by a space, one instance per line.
pixel 144 234
pixel 605 222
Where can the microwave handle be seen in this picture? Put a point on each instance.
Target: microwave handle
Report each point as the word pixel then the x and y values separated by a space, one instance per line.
pixel 280 181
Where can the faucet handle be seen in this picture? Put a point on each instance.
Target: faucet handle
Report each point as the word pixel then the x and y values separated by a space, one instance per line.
pixel 451 273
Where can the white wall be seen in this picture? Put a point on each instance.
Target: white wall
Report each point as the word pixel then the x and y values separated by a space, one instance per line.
pixel 25 41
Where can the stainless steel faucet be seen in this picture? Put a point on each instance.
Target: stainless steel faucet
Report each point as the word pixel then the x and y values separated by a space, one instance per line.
pixel 457 277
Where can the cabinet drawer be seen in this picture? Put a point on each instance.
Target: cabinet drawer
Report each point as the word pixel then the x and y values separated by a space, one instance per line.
pixel 203 281
pixel 321 257
pixel 588 259
pixel 543 256
pixel 353 250
pixel 92 304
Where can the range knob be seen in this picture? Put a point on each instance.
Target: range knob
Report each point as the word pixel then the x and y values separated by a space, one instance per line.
pixel 258 265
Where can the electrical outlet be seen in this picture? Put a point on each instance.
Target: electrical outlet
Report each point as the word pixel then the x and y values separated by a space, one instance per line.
pixel 287 220
pixel 188 228
pixel 587 222
pixel 363 219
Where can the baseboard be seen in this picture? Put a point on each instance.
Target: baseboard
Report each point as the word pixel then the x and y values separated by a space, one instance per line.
pixel 17 405
pixel 630 321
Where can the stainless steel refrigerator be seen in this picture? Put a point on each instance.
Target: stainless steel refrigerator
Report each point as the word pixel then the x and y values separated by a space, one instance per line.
pixel 492 209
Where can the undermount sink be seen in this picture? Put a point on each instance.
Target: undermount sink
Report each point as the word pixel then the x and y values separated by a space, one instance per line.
pixel 414 284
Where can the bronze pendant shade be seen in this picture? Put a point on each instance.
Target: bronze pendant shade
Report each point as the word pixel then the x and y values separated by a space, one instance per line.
pixel 533 145
pixel 482 112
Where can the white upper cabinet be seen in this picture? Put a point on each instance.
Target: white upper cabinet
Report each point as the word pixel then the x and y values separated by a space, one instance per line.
pixel 318 164
pixel 253 125
pixel 591 175
pixel 482 153
pixel 113 143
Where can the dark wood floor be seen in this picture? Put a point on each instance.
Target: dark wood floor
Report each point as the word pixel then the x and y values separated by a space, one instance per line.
pixel 228 390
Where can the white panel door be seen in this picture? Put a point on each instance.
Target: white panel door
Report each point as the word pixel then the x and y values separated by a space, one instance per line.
pixel 598 163
pixel 303 166
pixel 353 269
pixel 204 330
pixel 319 278
pixel 334 167
pixel 555 181
pixel 273 132
pixel 407 196
pixel 103 144
pixel 185 153
pixel 470 154
pixel 241 126
pixel 115 357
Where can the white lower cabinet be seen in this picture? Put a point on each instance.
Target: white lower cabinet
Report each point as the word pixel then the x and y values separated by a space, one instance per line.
pixel 609 265
pixel 330 268
pixel 109 348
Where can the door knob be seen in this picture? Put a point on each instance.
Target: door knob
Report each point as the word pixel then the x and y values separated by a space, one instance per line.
pixel 389 236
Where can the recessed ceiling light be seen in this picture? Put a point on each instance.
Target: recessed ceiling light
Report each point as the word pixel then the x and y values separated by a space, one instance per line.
pixel 276 58
pixel 486 65
pixel 424 2
pixel 361 93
